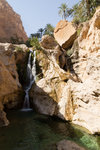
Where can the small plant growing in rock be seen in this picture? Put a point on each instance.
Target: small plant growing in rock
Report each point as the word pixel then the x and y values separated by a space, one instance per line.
pixel 18 48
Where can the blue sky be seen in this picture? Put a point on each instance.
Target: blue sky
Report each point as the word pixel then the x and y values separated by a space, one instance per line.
pixel 36 14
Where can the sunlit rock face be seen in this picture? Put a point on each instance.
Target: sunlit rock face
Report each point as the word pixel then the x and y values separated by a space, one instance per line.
pixel 10 24
pixel 86 95
pixel 43 93
pixel 11 93
pixel 74 97
pixel 65 34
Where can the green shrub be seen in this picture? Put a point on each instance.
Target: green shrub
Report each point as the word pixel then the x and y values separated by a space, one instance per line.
pixel 33 42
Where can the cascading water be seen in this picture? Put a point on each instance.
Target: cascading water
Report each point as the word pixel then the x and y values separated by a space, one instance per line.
pixel 31 77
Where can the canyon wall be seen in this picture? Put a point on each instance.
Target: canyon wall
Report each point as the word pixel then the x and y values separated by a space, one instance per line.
pixel 70 87
pixel 11 92
pixel 11 27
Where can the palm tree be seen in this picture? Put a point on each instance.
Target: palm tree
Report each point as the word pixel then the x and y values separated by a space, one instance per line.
pixel 49 29
pixel 41 30
pixel 63 11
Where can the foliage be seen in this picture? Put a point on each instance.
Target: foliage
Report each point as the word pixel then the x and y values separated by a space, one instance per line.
pixel 17 48
pixel 49 30
pixel 63 11
pixel 36 35
pixel 40 31
pixel 33 42
pixel 83 10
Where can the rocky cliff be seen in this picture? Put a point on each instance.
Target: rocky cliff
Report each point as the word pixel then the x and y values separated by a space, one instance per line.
pixel 11 27
pixel 70 87
pixel 11 92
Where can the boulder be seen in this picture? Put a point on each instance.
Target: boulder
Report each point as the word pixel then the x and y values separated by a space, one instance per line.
pixel 11 28
pixel 48 42
pixel 65 34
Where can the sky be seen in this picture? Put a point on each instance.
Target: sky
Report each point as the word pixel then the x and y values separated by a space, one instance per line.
pixel 35 14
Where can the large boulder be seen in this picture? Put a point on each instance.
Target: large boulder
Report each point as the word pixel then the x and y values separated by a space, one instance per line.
pixel 65 34
pixel 48 42
pixel 11 27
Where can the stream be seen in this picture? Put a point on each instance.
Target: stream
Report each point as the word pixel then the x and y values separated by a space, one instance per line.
pixel 32 131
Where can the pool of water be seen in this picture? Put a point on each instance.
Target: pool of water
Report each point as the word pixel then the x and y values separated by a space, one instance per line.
pixel 32 131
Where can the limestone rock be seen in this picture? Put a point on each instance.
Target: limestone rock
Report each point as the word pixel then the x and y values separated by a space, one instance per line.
pixel 11 93
pixel 89 40
pixel 85 95
pixel 48 42
pixel 76 100
pixel 43 103
pixel 3 120
pixel 65 34
pixel 10 24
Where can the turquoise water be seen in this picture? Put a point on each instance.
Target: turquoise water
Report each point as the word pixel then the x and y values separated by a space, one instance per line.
pixel 31 131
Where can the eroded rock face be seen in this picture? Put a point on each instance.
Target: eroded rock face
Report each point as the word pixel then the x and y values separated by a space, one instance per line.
pixel 86 98
pixel 77 97
pixel 46 94
pixel 10 24
pixel 11 93
pixel 65 34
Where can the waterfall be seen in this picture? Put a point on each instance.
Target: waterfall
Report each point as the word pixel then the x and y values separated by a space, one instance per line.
pixel 31 77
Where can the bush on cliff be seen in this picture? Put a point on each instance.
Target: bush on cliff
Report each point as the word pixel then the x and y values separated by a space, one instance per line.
pixel 33 42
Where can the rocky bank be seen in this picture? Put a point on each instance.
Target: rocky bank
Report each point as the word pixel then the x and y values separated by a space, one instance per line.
pixel 70 87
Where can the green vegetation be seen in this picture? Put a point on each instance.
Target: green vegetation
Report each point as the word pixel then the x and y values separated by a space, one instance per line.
pixel 63 11
pixel 48 30
pixel 40 31
pixel 34 38
pixel 82 11
pixel 17 48
pixel 33 42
